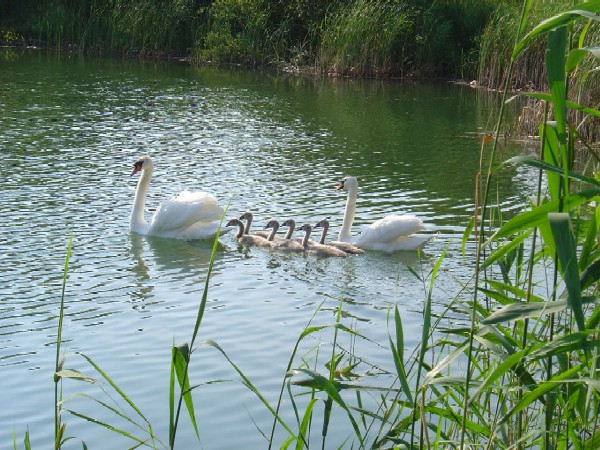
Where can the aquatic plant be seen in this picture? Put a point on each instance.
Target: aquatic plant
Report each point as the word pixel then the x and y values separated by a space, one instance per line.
pixel 527 74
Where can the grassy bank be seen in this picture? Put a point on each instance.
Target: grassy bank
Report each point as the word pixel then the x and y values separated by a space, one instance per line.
pixel 342 37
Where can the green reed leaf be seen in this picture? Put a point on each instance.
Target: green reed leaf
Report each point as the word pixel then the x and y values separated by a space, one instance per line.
pixel 248 384
pixel 507 365
pixel 116 388
pixel 26 441
pixel 466 235
pixel 181 360
pixel 324 384
pixel 107 426
pixel 75 375
pixel 118 411
pixel 589 10
pixel 557 81
pixel 577 54
pixel 172 425
pixel 521 311
pixel 505 249
pixel 445 362
pixel 590 274
pixel 567 343
pixel 540 391
pixel 305 424
pixel 532 162
pixel 588 248
pixel 398 354
pixel 514 290
pixel 539 215
pixel 566 247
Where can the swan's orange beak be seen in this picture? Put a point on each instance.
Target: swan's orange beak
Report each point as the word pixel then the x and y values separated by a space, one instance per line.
pixel 136 168
pixel 340 186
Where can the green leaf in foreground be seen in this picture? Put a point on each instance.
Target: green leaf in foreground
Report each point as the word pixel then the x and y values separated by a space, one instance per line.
pixel 589 10
pixel 181 360
pixel 539 215
pixel 566 247
pixel 521 311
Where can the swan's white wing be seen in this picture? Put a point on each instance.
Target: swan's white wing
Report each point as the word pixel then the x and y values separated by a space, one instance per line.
pixel 383 232
pixel 184 211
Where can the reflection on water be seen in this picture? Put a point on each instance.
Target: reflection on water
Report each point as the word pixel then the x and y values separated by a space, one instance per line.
pixel 275 145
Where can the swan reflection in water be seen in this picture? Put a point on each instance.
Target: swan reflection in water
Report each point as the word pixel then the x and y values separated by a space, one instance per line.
pixel 157 260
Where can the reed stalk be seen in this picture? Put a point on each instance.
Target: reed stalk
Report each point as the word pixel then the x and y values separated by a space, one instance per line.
pixel 59 428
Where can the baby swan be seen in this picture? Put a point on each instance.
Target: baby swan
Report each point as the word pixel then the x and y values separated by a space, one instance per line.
pixel 248 216
pixel 345 246
pixel 291 224
pixel 316 248
pixel 282 244
pixel 247 238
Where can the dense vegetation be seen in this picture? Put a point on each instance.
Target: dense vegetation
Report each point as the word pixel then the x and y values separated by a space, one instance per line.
pixel 345 37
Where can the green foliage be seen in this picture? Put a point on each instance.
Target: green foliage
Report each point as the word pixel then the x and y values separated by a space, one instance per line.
pixel 366 38
pixel 346 37
pixel 112 26
pixel 497 43
pixel 238 31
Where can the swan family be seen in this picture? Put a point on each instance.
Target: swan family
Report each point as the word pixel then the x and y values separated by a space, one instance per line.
pixel 197 215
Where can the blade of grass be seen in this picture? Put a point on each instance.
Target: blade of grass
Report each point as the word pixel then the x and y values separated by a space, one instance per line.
pixel 560 223
pixel 589 9
pixel 58 428
pixel 398 355
pixel 249 384
pixel 114 385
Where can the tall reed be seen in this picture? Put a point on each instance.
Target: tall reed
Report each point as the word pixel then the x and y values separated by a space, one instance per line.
pixel 116 27
pixel 529 74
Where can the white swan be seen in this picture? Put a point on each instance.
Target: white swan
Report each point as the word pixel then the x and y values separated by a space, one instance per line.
pixel 390 234
pixel 316 248
pixel 345 246
pixel 250 239
pixel 188 215
pixel 282 244
pixel 248 216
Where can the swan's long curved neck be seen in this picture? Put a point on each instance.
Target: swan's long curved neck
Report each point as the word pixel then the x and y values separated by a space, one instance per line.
pixel 240 226
pixel 273 232
pixel 306 237
pixel 291 225
pixel 324 233
pixel 248 218
pixel 137 221
pixel 345 232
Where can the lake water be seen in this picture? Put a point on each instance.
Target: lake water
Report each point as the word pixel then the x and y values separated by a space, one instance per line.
pixel 277 145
